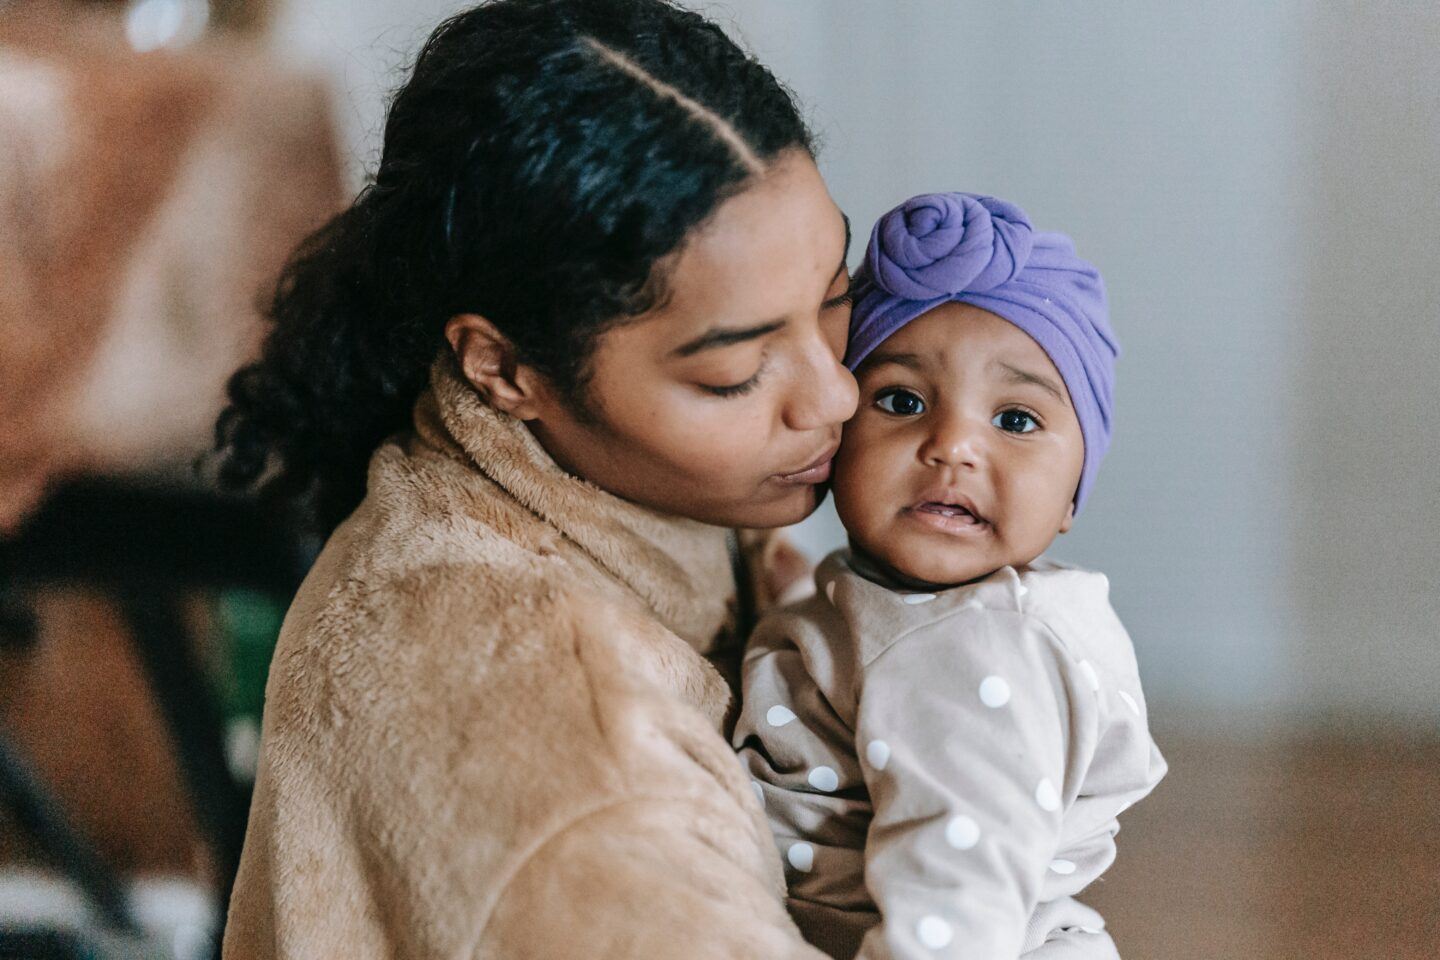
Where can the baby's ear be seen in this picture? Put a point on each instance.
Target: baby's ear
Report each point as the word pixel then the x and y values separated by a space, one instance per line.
pixel 1069 518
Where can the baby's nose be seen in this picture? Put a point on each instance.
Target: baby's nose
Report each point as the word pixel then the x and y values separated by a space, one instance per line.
pixel 956 441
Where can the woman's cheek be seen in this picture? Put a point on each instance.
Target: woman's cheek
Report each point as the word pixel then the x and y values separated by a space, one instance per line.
pixel 710 438
pixel 738 440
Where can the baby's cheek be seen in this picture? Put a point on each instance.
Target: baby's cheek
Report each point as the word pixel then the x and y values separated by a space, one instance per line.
pixel 842 488
pixel 852 488
pixel 864 445
pixel 869 483
pixel 1034 511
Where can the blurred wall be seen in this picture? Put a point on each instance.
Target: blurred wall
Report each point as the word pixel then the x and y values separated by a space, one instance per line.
pixel 1367 539
pixel 1244 174
pixel 367 47
pixel 1161 137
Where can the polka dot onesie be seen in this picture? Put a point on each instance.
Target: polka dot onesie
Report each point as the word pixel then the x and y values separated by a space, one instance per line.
pixel 943 772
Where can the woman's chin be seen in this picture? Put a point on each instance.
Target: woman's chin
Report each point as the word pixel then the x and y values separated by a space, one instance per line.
pixel 790 507
pixel 801 504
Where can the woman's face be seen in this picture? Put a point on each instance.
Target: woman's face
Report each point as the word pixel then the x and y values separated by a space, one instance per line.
pixel 725 404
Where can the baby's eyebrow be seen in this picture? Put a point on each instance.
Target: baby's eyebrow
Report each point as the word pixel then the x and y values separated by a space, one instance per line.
pixel 1016 375
pixel 910 360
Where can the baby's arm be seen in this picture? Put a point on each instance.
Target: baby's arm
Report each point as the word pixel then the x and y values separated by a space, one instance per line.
pixel 964 731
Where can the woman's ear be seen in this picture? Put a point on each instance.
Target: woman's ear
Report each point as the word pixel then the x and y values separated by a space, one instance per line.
pixel 488 360
pixel 1069 518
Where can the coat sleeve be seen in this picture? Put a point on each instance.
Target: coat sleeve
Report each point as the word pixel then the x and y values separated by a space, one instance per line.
pixel 650 879
pixel 665 852
pixel 963 729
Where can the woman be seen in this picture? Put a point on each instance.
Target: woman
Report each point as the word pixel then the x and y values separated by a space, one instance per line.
pixel 491 730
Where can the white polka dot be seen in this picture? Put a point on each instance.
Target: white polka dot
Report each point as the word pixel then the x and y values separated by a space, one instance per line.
pixel 915 598
pixel 962 832
pixel 1130 702
pixel 778 716
pixel 1047 796
pixel 823 778
pixel 994 692
pixel 830 591
pixel 933 932
pixel 1091 677
pixel 878 753
pixel 759 791
pixel 1062 867
pixel 801 856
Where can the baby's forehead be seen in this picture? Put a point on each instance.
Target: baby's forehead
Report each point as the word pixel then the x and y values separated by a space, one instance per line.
pixel 956 339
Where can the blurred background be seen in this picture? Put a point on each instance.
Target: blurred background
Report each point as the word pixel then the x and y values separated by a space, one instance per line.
pixel 1260 184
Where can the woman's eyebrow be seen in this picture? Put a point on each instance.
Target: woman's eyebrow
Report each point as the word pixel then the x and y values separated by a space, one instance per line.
pixel 725 337
pixel 1016 375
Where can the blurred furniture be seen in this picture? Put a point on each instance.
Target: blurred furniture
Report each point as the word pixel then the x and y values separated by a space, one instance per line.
pixel 147 203
pixel 241 14
pixel 34 809
pixel 149 547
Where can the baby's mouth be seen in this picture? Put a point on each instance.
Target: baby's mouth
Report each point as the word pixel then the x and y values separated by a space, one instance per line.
pixel 943 516
pixel 952 510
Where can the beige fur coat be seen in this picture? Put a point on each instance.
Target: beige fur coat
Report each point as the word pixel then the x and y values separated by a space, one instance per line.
pixel 491 730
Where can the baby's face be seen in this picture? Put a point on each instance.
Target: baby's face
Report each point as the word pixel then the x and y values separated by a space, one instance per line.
pixel 965 453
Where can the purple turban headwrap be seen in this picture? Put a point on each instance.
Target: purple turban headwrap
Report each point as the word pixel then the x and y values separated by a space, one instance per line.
pixel 940 247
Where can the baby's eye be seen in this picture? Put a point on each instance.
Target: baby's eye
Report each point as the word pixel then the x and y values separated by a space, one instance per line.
pixel 902 403
pixel 1015 421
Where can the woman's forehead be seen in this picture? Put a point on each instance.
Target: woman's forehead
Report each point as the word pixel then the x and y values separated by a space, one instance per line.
pixel 767 252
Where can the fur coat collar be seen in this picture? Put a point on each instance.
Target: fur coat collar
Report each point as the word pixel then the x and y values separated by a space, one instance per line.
pixel 670 563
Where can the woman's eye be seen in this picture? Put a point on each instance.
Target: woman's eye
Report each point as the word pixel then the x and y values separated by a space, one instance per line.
pixel 734 389
pixel 902 403
pixel 1015 421
pixel 846 297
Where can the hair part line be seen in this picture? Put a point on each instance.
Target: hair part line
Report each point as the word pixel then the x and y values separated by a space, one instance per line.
pixel 717 124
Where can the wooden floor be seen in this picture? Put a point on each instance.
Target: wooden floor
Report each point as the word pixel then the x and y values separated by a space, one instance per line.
pixel 1319 847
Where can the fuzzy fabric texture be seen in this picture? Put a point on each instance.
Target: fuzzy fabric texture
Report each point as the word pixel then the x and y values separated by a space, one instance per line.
pixel 491 730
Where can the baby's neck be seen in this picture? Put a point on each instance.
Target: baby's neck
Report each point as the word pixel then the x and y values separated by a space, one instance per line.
pixel 875 569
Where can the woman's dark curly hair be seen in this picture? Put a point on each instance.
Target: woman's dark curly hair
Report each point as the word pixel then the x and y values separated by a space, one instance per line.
pixel 540 162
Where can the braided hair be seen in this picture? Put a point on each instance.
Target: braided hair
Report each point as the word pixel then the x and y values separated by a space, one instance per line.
pixel 540 164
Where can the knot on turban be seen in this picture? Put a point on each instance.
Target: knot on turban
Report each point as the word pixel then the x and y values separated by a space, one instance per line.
pixel 978 250
pixel 945 243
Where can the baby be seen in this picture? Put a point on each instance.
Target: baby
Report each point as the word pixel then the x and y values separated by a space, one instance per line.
pixel 943 736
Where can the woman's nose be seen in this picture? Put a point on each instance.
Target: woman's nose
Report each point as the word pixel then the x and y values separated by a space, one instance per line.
pixel 954 441
pixel 825 393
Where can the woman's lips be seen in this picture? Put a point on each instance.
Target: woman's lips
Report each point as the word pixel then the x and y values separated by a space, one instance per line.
pixel 947 518
pixel 818 471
